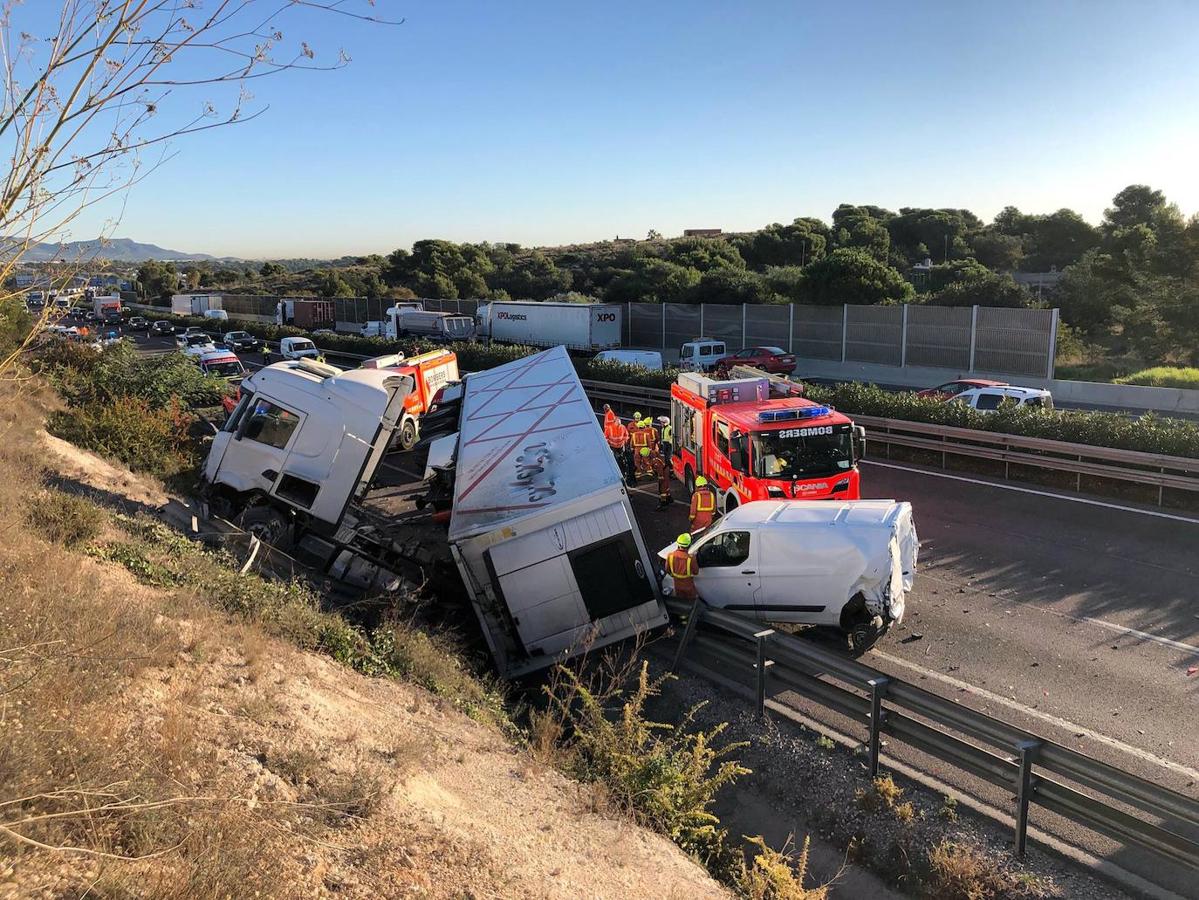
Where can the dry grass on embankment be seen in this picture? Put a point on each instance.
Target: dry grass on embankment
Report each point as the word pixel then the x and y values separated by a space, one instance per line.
pixel 153 745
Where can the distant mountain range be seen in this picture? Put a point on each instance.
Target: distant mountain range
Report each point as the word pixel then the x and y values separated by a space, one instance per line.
pixel 116 249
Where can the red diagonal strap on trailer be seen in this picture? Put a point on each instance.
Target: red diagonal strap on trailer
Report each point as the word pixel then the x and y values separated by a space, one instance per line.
pixel 516 373
pixel 500 437
pixel 500 418
pixel 520 437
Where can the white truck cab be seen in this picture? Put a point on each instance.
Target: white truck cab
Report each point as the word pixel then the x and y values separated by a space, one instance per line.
pixel 846 564
pixel 701 354
pixel 298 348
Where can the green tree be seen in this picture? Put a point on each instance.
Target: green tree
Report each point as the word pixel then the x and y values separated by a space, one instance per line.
pixel 652 281
pixel 853 276
pixel 996 250
pixel 705 254
pixel 787 282
pixel 988 290
pixel 271 269
pixel 157 280
pixel 731 286
pixel 330 284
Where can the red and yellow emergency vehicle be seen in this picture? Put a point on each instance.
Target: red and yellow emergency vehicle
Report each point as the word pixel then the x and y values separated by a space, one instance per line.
pixel 751 445
pixel 430 372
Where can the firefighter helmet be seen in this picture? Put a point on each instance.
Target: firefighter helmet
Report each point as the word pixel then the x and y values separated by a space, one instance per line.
pixel 700 481
pixel 684 540
pixel 645 451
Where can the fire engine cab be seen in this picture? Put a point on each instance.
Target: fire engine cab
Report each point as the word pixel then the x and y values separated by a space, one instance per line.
pixel 429 373
pixel 754 445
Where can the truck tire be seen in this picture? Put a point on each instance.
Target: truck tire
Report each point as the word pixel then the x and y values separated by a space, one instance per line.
pixel 689 480
pixel 865 634
pixel 267 524
pixel 407 437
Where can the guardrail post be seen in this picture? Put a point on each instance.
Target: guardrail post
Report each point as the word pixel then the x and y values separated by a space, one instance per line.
pixel 1026 750
pixel 762 666
pixel 693 617
pixel 878 688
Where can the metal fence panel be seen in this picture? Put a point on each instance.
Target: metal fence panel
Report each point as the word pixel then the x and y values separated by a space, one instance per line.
pixel 768 326
pixel 723 322
pixel 248 304
pixel 468 307
pixel 682 324
pixel 816 332
pixel 874 334
pixel 939 336
pixel 644 325
pixel 1013 341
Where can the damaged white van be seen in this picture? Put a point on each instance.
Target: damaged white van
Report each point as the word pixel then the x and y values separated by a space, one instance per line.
pixel 849 565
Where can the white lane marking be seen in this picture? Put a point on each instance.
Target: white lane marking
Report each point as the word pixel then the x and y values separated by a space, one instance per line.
pixel 1076 729
pixel 1089 620
pixel 1024 490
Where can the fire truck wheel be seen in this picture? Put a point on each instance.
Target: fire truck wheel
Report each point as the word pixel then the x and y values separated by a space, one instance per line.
pixel 268 525
pixel 865 634
pixel 407 438
pixel 689 480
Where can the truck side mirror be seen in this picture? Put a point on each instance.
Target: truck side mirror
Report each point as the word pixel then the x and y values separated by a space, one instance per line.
pixel 859 442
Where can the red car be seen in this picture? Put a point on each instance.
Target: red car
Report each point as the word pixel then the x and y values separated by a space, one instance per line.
pixel 953 388
pixel 772 360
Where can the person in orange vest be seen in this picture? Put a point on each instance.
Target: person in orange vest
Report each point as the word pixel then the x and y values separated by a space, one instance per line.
pixel 703 505
pixel 651 434
pixel 682 567
pixel 609 416
pixel 658 467
pixel 617 437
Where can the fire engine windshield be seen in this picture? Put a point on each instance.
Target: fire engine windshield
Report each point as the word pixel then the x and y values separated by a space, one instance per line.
pixel 815 451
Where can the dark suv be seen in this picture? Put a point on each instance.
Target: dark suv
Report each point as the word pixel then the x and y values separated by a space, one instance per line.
pixel 162 326
pixel 242 341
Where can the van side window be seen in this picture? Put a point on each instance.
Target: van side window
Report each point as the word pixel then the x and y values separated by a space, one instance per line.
pixel 988 401
pixel 728 549
pixel 718 349
pixel 705 350
pixel 271 425
pixel 686 351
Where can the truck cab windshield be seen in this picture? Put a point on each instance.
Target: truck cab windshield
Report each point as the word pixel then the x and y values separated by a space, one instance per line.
pixel 816 451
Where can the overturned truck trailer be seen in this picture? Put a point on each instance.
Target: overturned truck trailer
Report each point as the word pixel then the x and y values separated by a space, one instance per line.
pixel 541 527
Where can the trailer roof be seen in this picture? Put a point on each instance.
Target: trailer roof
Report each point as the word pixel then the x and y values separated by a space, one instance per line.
pixel 528 440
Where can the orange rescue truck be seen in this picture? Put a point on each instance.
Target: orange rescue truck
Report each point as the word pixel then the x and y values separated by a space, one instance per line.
pixel 430 372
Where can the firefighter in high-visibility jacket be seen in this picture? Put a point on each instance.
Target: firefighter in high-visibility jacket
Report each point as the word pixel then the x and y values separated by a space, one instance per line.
pixel 639 436
pixel 658 467
pixel 703 505
pixel 666 443
pixel 682 568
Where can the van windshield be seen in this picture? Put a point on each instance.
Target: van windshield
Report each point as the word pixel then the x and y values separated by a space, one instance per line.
pixel 303 345
pixel 224 369
pixel 814 451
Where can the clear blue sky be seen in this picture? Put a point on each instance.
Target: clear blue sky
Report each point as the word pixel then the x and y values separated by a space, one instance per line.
pixel 547 122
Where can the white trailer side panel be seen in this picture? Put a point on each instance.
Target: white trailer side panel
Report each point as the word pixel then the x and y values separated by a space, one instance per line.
pixel 579 326
pixel 541 528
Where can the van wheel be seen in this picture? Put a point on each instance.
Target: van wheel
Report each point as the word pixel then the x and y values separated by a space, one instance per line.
pixel 689 480
pixel 268 525
pixel 408 436
pixel 865 634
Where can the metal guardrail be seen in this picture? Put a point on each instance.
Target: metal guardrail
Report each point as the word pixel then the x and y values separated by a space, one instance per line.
pixel 1039 772
pixel 1154 469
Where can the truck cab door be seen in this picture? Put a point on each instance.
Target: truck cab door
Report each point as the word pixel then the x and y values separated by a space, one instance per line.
pixel 728 571
pixel 250 454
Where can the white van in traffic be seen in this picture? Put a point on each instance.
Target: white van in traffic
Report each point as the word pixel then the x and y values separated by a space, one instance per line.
pixel 989 399
pixel 298 348
pixel 646 359
pixel 701 354
pixel 846 564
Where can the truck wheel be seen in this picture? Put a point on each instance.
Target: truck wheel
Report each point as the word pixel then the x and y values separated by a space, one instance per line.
pixel 408 436
pixel 689 480
pixel 268 525
pixel 865 634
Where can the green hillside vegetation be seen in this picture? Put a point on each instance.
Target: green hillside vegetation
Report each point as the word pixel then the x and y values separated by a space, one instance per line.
pixel 1128 289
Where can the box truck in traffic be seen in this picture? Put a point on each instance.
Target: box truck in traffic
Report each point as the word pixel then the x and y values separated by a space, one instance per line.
pixel 577 326
pixel 404 321
pixel 194 304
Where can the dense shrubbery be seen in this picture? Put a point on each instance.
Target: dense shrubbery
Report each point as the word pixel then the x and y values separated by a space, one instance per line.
pixel 1149 433
pixel 145 437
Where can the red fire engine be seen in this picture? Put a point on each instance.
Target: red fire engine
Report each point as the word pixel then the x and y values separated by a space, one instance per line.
pixel 751 445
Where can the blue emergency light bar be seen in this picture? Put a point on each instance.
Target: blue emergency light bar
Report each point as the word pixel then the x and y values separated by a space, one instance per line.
pixel 787 415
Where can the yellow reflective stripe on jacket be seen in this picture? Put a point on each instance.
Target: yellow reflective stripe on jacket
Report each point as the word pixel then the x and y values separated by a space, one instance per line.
pixel 705 501
pixel 668 434
pixel 689 566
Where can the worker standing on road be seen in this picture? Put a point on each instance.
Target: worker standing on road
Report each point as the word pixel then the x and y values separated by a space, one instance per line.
pixel 658 467
pixel 651 434
pixel 682 568
pixel 703 505
pixel 666 444
pixel 609 416
pixel 617 437
pixel 640 441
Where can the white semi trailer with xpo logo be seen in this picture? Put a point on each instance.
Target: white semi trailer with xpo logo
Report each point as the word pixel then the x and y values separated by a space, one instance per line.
pixel 576 326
